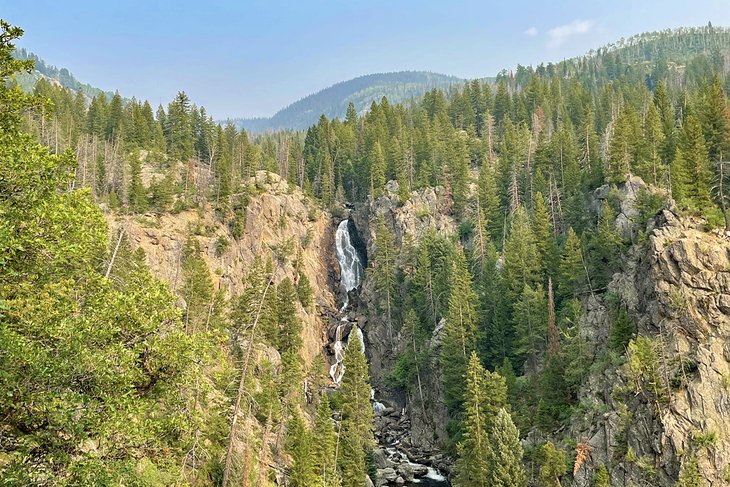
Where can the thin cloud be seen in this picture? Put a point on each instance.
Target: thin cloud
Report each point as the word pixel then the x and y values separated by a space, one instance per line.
pixel 561 34
pixel 532 31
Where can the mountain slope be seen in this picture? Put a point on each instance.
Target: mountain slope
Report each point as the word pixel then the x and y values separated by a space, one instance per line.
pixel 398 87
pixel 42 70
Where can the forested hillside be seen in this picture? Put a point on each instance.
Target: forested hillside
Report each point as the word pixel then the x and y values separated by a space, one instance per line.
pixel 28 80
pixel 539 264
pixel 400 87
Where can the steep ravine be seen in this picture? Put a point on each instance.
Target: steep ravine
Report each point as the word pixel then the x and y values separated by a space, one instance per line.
pixel 397 461
pixel 675 285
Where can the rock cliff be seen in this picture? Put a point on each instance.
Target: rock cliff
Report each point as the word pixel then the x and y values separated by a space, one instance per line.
pixel 676 287
pixel 280 222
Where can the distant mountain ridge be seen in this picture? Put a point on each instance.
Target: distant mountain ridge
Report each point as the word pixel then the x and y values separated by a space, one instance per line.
pixel 398 87
pixel 27 81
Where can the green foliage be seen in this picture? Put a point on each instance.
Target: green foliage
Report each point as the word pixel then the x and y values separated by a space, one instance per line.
pixel 356 437
pixel 102 381
pixel 474 450
pixel 623 328
pixel 301 447
pixel 459 332
pixel 384 270
pixel 643 369
pixel 505 462
pixel 601 477
pixel 325 441
pixel 304 291
pixel 552 463
pixel 197 289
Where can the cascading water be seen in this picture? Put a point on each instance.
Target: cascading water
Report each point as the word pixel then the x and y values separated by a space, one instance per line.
pixel 350 265
pixel 351 273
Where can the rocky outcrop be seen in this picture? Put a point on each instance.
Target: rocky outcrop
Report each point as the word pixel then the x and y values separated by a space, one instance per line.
pixel 676 287
pixel 280 222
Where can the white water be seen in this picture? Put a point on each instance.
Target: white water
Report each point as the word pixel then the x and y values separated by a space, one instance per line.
pixel 351 273
pixel 351 270
pixel 434 474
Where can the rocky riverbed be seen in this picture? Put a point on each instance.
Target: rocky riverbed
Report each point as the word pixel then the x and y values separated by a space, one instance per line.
pixel 398 460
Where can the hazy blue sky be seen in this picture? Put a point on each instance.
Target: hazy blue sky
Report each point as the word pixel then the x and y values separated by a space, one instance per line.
pixel 251 57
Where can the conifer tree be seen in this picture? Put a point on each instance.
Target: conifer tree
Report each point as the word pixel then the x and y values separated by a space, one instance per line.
pixel 431 279
pixel 624 145
pixel 290 340
pixel 384 269
pixel 460 331
pixel 652 168
pixel 377 170
pixel 530 318
pixel 715 118
pixel 303 452
pixel 552 465
pixel 474 450
pixel 521 257
pixel 571 271
pixel 691 171
pixel 356 437
pixel 459 173
pixel 137 193
pixel 325 442
pixel 505 461
pixel 544 237
pixel 197 289
pixel 489 202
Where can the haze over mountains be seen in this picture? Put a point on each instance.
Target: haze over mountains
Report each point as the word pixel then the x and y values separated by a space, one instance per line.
pixel 398 87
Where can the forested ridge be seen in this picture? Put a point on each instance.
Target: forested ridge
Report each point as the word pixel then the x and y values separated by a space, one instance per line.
pixel 106 380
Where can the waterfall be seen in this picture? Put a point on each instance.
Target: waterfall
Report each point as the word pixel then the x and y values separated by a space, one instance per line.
pixel 337 370
pixel 351 273
pixel 351 270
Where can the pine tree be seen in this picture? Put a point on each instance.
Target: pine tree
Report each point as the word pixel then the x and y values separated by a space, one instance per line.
pixel 624 145
pixel 474 450
pixel 302 450
pixel 530 318
pixel 502 102
pixel 653 168
pixel 691 171
pixel 384 269
pixel 571 273
pixel 197 288
pixel 521 257
pixel 505 461
pixel 459 172
pixel 489 201
pixel 547 247
pixel 137 193
pixel 459 333
pixel 356 438
pixel 601 478
pixel 115 118
pixel 290 340
pixel 715 118
pixel 431 279
pixel 325 442
pixel 666 114
pixel 377 170
pixel 552 465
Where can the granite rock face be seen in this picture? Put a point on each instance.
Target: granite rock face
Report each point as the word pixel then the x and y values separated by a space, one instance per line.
pixel 280 222
pixel 676 287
